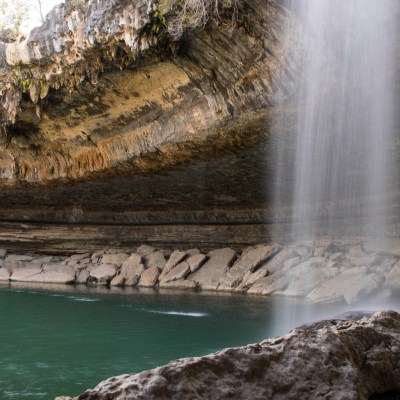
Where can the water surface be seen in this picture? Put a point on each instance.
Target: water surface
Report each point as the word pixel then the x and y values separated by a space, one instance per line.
pixel 63 340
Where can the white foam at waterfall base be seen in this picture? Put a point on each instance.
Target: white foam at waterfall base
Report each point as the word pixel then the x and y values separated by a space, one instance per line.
pixel 342 166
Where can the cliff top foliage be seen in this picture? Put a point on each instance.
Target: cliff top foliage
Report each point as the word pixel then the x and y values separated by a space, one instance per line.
pixel 184 15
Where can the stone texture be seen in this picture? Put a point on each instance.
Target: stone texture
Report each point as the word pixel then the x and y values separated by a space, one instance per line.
pixel 358 257
pixel 14 258
pixel 51 277
pixel 387 247
pixel 307 275
pixel 4 274
pixel 149 277
pixel 24 274
pixel 3 253
pixel 145 250
pixel 42 260
pixel 56 267
pixel 102 274
pixel 180 284
pixel 250 259
pixel 155 259
pixel 130 272
pixel 82 276
pixel 276 262
pixel 196 261
pixel 176 257
pixel 77 257
pixel 210 274
pixel 118 280
pixel 115 259
pixel 392 278
pixel 333 359
pixel 76 74
pixel 250 278
pixel 303 251
pixel 352 285
pixel 180 271
pixel 192 252
pixel 269 285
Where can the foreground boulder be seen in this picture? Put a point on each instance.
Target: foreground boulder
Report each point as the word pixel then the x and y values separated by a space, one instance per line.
pixel 332 359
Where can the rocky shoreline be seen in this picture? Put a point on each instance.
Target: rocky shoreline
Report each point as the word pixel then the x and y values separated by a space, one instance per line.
pixel 321 271
pixel 350 357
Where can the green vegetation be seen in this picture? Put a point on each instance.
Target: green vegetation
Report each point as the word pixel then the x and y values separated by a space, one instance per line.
pixel 23 83
pixel 157 28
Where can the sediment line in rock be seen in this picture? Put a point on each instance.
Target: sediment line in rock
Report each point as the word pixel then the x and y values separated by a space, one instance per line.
pixel 320 271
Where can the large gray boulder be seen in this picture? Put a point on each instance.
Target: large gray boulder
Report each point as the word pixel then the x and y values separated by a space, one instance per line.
pixel 210 274
pixel 307 275
pixel 195 261
pixel 4 274
pixel 115 259
pixel 352 285
pixel 333 359
pixel 156 259
pixel 176 257
pixel 392 278
pixel 249 261
pixel 387 247
pixel 149 277
pixel 24 274
pixel 181 271
pixel 130 272
pixel 269 285
pixel 180 284
pixel 39 275
pixel 102 274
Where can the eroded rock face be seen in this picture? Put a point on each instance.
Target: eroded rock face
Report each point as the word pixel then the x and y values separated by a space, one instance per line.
pixel 333 359
pixel 70 111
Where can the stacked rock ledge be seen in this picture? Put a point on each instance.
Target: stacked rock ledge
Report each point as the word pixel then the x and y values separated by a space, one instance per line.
pixel 322 271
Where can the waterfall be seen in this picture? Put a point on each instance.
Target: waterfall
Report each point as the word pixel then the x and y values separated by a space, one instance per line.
pixel 340 170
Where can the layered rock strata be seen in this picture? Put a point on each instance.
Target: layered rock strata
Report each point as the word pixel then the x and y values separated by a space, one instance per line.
pixel 354 357
pixel 100 84
pixel 320 271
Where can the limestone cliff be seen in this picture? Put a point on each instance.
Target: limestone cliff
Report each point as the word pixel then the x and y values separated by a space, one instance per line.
pixel 101 84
